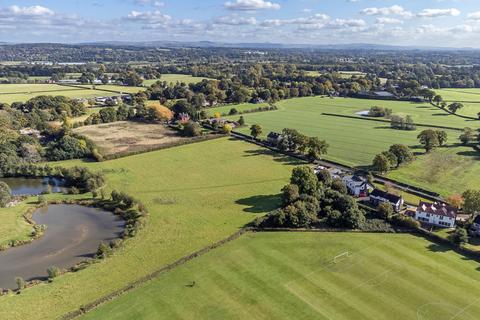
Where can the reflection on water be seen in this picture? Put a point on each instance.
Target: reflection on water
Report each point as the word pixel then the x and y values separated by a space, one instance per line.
pixel 34 186
pixel 73 234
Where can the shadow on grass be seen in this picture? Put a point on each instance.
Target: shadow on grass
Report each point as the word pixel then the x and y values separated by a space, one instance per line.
pixel 260 204
pixel 472 153
pixel 435 247
pixel 276 156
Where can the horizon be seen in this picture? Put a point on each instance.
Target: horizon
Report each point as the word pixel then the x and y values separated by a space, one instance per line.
pixel 404 23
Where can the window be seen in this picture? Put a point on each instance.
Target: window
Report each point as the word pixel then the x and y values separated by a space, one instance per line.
pixel 441 217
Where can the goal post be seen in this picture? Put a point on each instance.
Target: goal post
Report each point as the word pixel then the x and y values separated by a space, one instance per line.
pixel 341 256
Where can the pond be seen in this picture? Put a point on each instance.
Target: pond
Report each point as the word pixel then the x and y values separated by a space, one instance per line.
pixel 33 186
pixel 73 234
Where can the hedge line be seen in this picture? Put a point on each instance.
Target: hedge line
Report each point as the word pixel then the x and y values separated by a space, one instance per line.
pixel 388 121
pixel 88 307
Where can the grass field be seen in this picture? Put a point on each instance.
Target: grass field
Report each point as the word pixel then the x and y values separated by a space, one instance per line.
pixel 197 194
pixel 470 97
pixel 13 226
pixel 447 171
pixel 10 93
pixel 292 276
pixel 175 78
pixel 240 107
pixel 127 136
pixel 352 142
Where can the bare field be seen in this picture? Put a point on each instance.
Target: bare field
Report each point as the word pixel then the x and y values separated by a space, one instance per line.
pixel 127 137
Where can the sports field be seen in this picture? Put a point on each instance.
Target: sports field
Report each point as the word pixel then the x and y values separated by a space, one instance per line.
pixel 352 142
pixel 294 276
pixel 447 171
pixel 197 194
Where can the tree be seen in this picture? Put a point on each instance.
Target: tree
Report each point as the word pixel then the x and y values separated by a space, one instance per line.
pixel 305 179
pixel 460 236
pixel 53 272
pixel 325 178
pixel 409 124
pixel 429 139
pixel 456 200
pixel 132 79
pixel 437 99
pixel 381 163
pixel 442 137
pixel 255 131
pixel 191 129
pixel 290 194
pixel 397 122
pixel 385 211
pixel 227 128
pixel 454 107
pixel 241 121
pixel 468 136
pixel 21 284
pixel 108 115
pixel 402 153
pixel 316 148
pixel 471 201
pixel 103 251
pixel 5 194
pixel 159 113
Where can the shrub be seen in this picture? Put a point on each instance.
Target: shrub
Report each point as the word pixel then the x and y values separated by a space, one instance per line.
pixel 53 272
pixel 191 129
pixel 5 194
pixel 460 236
pixel 21 284
pixel 103 251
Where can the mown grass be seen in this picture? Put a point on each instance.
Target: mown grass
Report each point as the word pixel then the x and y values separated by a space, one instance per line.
pixel 197 194
pixel 175 78
pixel 291 276
pixel 470 97
pixel 446 170
pixel 240 108
pixel 353 142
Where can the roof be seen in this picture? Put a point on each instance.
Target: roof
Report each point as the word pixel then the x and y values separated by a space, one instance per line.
pixel 383 94
pixel 439 209
pixel 355 179
pixel 385 195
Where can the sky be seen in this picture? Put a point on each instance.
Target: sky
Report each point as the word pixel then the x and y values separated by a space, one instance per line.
pixel 442 23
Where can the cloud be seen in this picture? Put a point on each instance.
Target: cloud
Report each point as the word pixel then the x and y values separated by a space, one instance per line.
pixel 34 11
pixel 434 13
pixel 385 11
pixel 236 21
pixel 149 17
pixel 386 20
pixel 474 15
pixel 251 5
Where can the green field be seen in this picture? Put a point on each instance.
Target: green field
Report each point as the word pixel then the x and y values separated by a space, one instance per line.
pixel 240 107
pixel 447 171
pixel 10 93
pixel 470 97
pixel 352 142
pixel 292 276
pixel 197 194
pixel 175 78
pixel 13 226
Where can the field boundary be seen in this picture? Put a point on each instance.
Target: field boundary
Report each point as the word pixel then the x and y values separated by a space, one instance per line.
pixel 135 284
pixel 388 121
pixel 454 114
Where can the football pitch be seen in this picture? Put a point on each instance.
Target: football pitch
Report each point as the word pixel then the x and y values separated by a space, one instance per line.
pixel 309 276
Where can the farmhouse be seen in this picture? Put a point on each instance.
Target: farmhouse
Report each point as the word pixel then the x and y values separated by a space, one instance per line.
pixel 437 214
pixel 356 185
pixel 378 196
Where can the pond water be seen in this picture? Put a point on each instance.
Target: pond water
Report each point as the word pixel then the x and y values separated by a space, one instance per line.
pixel 73 234
pixel 34 186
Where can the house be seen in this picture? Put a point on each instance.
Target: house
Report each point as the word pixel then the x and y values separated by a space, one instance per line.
pixel 378 196
pixel 274 138
pixel 356 185
pixel 475 228
pixel 437 214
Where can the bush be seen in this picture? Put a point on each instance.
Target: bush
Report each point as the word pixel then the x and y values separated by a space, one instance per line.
pixel 460 236
pixel 5 194
pixel 103 251
pixel 21 284
pixel 191 129
pixel 404 221
pixel 53 272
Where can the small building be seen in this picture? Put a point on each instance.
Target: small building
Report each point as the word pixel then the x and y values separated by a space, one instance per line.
pixel 274 138
pixel 475 228
pixel 383 94
pixel 378 196
pixel 437 214
pixel 356 185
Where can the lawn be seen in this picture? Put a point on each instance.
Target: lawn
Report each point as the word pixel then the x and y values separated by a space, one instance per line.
pixel 353 142
pixel 447 171
pixel 13 226
pixel 224 110
pixel 197 194
pixel 176 78
pixel 293 276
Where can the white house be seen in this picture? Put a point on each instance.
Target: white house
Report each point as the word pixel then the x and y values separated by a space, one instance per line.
pixel 356 185
pixel 437 214
pixel 378 196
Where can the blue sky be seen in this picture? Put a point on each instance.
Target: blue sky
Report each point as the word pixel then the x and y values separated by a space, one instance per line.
pixel 447 23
